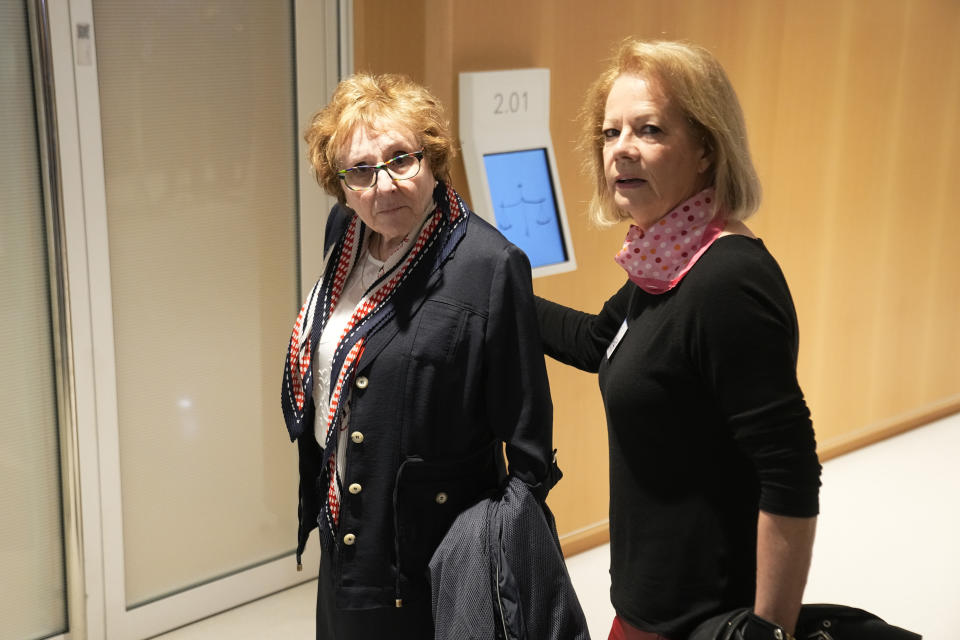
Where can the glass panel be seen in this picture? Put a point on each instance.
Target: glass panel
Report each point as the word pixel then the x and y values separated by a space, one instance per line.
pixel 199 144
pixel 33 604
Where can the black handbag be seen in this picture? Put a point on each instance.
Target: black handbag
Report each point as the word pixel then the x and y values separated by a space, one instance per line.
pixel 815 622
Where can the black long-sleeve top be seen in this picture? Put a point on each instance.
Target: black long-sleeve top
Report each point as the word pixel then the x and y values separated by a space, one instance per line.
pixel 706 425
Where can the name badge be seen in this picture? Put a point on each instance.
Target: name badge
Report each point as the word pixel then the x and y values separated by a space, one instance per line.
pixel 616 339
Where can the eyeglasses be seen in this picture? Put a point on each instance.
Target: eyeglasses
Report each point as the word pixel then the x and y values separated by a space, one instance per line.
pixel 363 176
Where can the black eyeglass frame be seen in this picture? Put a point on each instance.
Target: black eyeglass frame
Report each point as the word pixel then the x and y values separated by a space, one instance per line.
pixel 385 166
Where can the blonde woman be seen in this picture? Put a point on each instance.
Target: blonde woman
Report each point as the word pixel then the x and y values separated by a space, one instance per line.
pixel 714 476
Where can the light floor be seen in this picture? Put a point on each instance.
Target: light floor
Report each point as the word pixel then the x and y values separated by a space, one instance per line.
pixel 888 541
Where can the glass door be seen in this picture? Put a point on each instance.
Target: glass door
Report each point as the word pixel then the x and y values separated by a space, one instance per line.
pixel 32 552
pixel 197 208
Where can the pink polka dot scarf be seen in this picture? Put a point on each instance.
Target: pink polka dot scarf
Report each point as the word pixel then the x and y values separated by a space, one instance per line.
pixel 658 258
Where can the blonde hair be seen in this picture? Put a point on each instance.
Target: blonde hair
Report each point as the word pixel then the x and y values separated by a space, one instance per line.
pixel 375 102
pixel 692 78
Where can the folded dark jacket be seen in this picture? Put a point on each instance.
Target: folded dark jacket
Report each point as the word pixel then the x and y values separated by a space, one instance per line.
pixel 499 573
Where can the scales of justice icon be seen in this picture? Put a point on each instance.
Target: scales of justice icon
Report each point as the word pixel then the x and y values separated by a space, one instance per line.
pixel 521 210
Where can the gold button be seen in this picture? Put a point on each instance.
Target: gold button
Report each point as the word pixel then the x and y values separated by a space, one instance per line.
pixel 349 539
pixel 441 497
pixel 355 488
pixel 357 437
pixel 362 382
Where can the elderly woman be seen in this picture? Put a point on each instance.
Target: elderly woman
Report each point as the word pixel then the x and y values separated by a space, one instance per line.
pixel 714 477
pixel 413 359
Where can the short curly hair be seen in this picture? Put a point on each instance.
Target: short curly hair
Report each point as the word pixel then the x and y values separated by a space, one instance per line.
pixel 696 82
pixel 375 101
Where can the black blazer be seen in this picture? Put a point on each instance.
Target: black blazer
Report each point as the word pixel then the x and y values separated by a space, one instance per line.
pixel 457 372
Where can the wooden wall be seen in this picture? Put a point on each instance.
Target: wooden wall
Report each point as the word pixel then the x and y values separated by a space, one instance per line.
pixel 853 108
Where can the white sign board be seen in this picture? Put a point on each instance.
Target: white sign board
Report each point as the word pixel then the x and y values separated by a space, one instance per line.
pixel 511 169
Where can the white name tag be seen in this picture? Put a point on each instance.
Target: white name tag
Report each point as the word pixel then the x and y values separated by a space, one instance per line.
pixel 616 339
